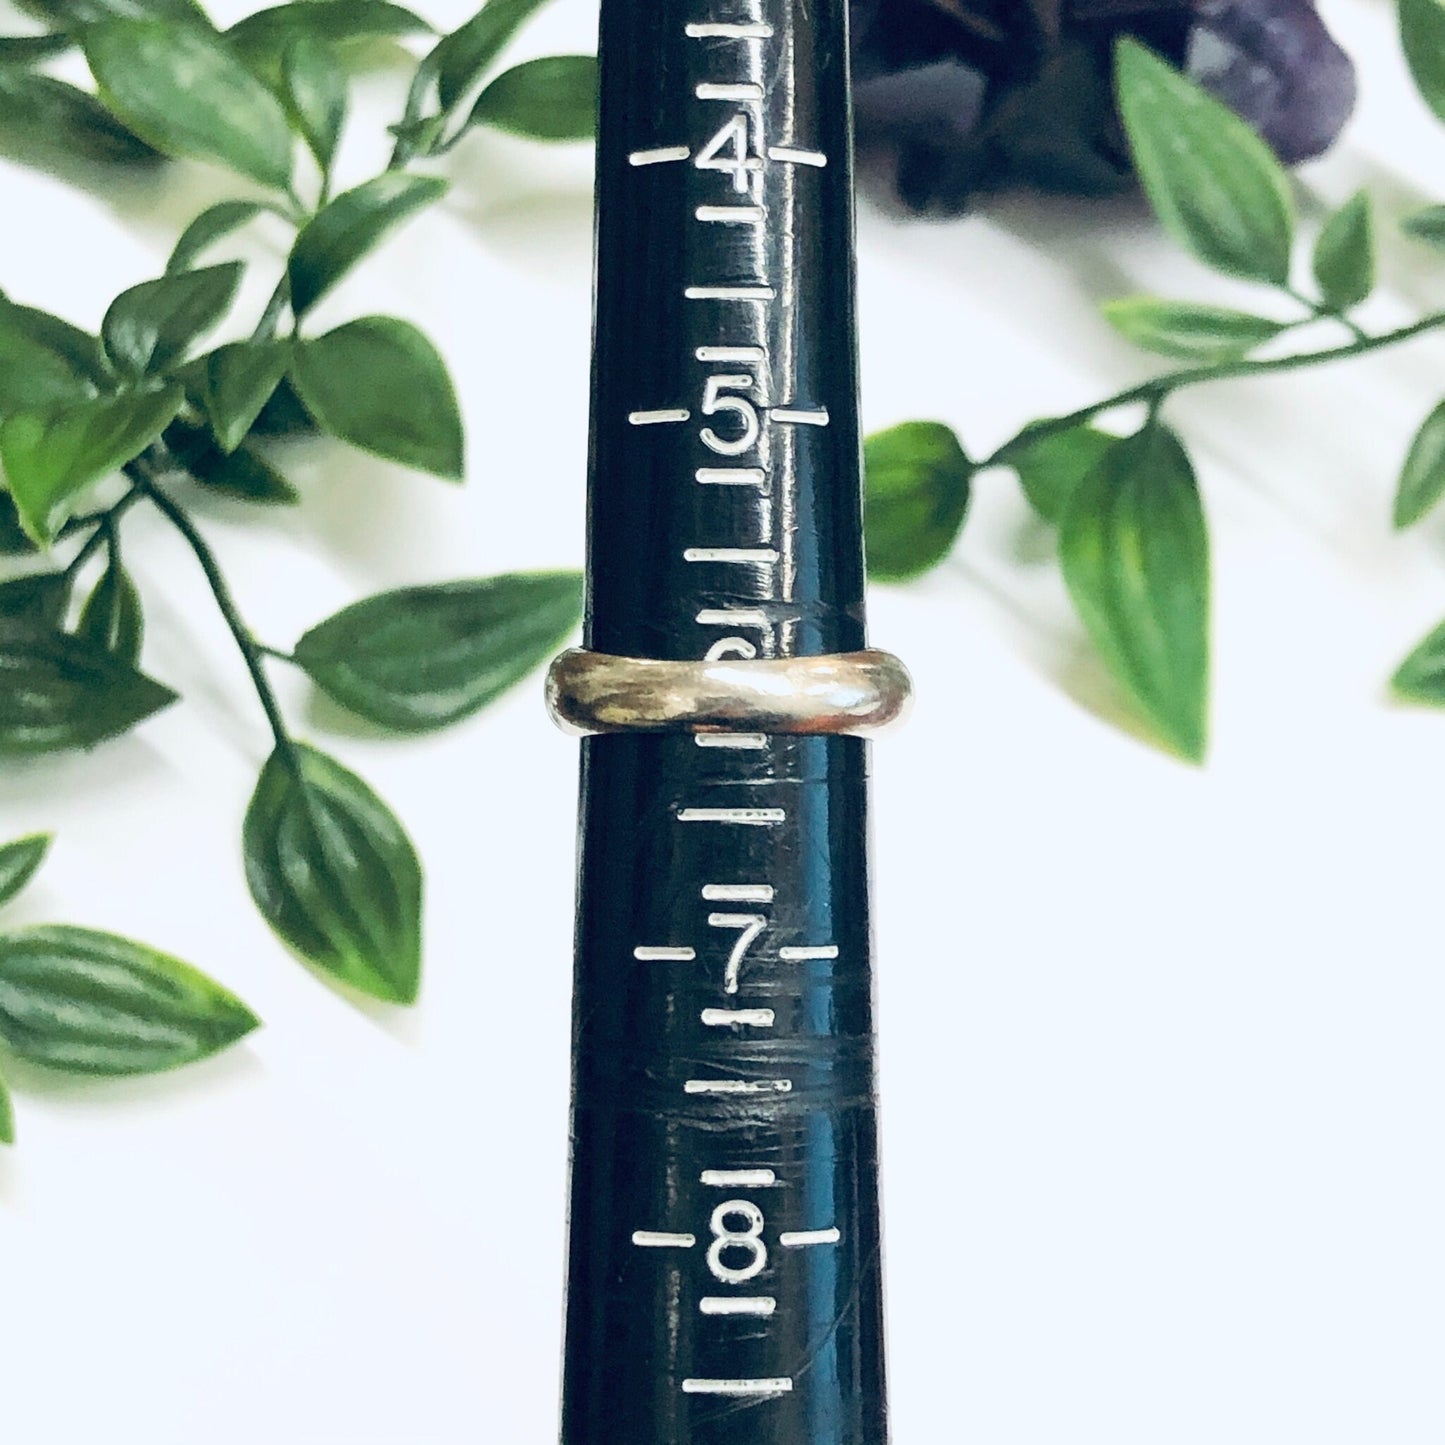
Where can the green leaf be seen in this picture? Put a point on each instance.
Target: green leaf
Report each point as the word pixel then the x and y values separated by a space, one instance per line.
pixel 93 1003
pixel 32 374
pixel 184 91
pixel 1051 467
pixel 284 415
pixel 20 861
pixel 46 122
pixel 63 692
pixel 13 541
pixel 31 49
pixel 1421 677
pixel 238 381
pixel 463 56
pixel 1214 184
pixel 1135 554
pixel 379 384
pixel 1188 331
pixel 7 1115
pixel 214 223
pixel 335 21
pixel 315 95
pixel 335 875
pixel 421 657
pixel 112 618
pixel 1422 33
pixel 243 474
pixel 151 326
pixel 916 497
pixel 1427 225
pixel 90 12
pixel 553 98
pixel 39 598
pixel 1422 481
pixel 1344 259
pixel 350 226
pixel 51 456
pixel 79 348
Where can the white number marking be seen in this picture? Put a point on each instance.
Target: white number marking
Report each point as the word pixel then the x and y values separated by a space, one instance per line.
pixel 649 954
pixel 713 28
pixel 708 90
pixel 751 924
pixel 731 476
pixel 659 156
pixel 738 1086
pixel 730 293
pixel 656 1239
pixel 801 955
pixel 744 354
pixel 728 151
pixel 716 401
pixel 731 647
pixel 792 156
pixel 789 417
pixel 741 741
pixel 743 817
pixel 758 1304
pixel 747 1241
pixel 802 1238
pixel 762 555
pixel 737 892
pixel 739 1178
pixel 721 1018
pixel 779 1386
pixel 658 418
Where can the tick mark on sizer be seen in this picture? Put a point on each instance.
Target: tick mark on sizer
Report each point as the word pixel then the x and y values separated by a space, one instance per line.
pixel 738 892
pixel 758 1018
pixel 743 817
pixel 802 1238
pixel 718 30
pixel 743 742
pixel 739 1178
pixel 738 1086
pixel 656 1239
pixel 659 156
pixel 779 1386
pixel 787 416
pixel 732 617
pixel 754 354
pixel 801 955
pixel 731 215
pixel 737 1305
pixel 730 293
pixel 661 954
pixel 792 156
pixel 708 90
pixel 731 476
pixel 763 555
pixel 658 418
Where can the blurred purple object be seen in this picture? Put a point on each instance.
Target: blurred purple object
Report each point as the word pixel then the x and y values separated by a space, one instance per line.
pixel 963 96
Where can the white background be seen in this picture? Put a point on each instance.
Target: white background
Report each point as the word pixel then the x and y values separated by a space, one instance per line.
pixel 1162 1048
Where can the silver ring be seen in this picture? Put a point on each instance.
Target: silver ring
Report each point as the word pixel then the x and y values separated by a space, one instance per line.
pixel 856 693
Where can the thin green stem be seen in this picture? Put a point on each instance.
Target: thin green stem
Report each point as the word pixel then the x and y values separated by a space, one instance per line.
pixel 252 653
pixel 105 523
pixel 1319 312
pixel 1155 392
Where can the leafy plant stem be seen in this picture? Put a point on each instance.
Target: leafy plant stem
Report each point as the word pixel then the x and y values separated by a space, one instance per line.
pixel 252 652
pixel 1155 392
pixel 103 533
pixel 1325 313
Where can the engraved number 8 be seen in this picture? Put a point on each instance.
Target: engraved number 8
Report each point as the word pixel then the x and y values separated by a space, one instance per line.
pixel 747 1240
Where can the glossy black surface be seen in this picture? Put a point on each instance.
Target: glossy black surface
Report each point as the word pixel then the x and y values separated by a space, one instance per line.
pixel 654 1353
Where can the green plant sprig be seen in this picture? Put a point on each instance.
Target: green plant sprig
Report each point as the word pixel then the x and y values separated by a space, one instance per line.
pixel 1132 534
pixel 328 865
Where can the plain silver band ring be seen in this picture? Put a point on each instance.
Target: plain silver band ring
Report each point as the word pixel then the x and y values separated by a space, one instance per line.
pixel 854 693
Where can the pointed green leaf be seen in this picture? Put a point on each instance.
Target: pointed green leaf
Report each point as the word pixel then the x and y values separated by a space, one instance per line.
pixel 1344 259
pixel 49 123
pixel 1135 554
pixel 151 326
pixel 333 872
pixel 243 474
pixel 350 226
pixel 183 90
pixel 553 98
pixel 51 456
pixel 918 482
pixel 79 348
pixel 40 598
pixel 1427 225
pixel 20 861
pixel 31 49
pixel 69 13
pixel 1422 33
pixel 214 223
pixel 93 1003
pixel 7 1115
pixel 1214 184
pixel 113 618
pixel 335 21
pixel 238 381
pixel 422 657
pixel 379 384
pixel 1421 677
pixel 314 89
pixel 1422 481
pixel 63 692
pixel 1051 467
pixel 1186 330
pixel 33 375
pixel 464 55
